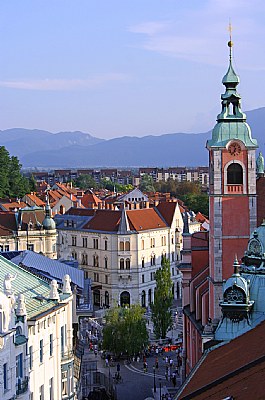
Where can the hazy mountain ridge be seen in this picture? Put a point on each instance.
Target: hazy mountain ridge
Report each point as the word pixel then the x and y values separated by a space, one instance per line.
pixel 37 148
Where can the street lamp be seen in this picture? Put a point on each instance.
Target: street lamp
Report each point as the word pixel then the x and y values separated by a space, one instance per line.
pixel 154 369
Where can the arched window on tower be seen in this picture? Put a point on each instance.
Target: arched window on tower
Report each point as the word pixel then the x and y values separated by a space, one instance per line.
pixel 234 174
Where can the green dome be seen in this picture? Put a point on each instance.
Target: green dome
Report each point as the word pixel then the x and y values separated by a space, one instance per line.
pixel 48 223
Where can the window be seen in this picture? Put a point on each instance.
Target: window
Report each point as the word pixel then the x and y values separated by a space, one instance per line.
pixel 95 243
pixel 121 246
pixel 106 279
pixel 62 339
pixel 153 259
pixel 64 383
pixel 84 242
pixel 96 277
pixel 41 351
pixel 51 344
pixel 95 260
pixel 127 246
pixel 84 259
pixel 106 263
pixel 152 242
pixel 30 357
pixel 173 256
pixel 42 392
pixel 152 276
pixel 172 240
pixel 128 263
pixel 106 245
pixel 1 248
pixel 5 377
pixel 142 262
pixel 7 247
pixel 30 247
pixel 143 278
pixel 234 174
pixel 73 240
pixel 142 244
pixel 51 388
pixel 122 263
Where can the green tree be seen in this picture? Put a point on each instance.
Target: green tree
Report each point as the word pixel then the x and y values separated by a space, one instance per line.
pixel 125 330
pixel 4 172
pixel 18 184
pixel 147 184
pixel 163 298
pixel 32 183
pixel 197 202
pixel 85 181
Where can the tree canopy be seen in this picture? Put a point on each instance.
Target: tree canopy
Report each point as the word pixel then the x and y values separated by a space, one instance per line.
pixel 125 330
pixel 85 181
pixel 189 192
pixel 147 184
pixel 12 182
pixel 163 298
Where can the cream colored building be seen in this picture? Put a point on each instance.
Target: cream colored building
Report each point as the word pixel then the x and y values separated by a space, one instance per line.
pixel 36 355
pixel 30 228
pixel 122 249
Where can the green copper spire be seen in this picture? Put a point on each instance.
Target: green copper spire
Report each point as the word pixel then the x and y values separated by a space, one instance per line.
pixel 231 122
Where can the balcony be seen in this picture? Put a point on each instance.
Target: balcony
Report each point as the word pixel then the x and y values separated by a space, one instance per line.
pixel 235 189
pixel 22 386
pixel 67 357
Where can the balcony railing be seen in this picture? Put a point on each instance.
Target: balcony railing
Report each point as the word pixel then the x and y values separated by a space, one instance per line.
pixel 235 189
pixel 68 354
pixel 22 386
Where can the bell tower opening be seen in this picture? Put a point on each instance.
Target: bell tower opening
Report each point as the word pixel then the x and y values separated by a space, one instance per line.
pixel 235 174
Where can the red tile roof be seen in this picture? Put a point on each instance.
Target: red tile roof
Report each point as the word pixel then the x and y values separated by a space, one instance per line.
pixel 105 220
pixel 81 211
pixel 11 206
pixel 144 219
pixel 235 369
pixel 36 200
pixel 8 220
pixel 90 198
pixel 167 210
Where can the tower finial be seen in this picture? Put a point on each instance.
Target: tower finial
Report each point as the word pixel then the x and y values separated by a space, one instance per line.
pixel 230 43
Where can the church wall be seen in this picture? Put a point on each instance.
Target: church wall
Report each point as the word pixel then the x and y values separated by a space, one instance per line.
pixel 235 221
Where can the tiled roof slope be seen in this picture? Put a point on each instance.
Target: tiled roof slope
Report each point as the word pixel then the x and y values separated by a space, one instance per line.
pixel 231 370
pixel 8 220
pixel 144 219
pixel 167 210
pixel 105 220
pixel 90 198
pixel 88 212
pixel 30 286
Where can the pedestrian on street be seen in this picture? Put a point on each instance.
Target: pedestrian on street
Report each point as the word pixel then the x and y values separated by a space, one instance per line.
pixel 138 359
pixel 166 359
pixel 145 366
pixel 174 379
pixel 156 363
pixel 106 361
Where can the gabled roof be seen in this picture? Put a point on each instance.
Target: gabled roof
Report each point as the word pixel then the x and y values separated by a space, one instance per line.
pixel 90 198
pixel 35 199
pixel 234 369
pixel 167 210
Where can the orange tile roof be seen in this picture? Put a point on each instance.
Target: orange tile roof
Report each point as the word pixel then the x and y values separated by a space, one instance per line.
pixel 81 211
pixel 105 220
pixel 231 369
pixel 167 210
pixel 13 205
pixel 90 198
pixel 36 200
pixel 144 219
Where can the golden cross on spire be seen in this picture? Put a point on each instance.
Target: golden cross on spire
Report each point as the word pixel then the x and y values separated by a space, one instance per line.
pixel 230 43
pixel 230 30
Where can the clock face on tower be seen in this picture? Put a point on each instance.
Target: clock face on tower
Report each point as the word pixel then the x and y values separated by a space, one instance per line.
pixel 234 149
pixel 254 247
pixel 234 295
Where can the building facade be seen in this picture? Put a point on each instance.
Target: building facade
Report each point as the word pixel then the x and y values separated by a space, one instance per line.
pixel 121 250
pixel 36 360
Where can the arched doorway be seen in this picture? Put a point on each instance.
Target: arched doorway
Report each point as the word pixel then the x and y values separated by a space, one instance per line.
pixel 143 299
pixel 125 299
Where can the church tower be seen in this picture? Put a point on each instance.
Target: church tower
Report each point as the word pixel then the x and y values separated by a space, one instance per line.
pixel 232 169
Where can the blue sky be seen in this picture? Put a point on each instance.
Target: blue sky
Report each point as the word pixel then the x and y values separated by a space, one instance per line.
pixel 126 67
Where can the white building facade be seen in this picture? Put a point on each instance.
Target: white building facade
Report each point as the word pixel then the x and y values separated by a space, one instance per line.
pixel 36 355
pixel 121 250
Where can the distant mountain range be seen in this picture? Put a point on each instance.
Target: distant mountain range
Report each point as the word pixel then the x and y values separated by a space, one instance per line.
pixel 38 148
